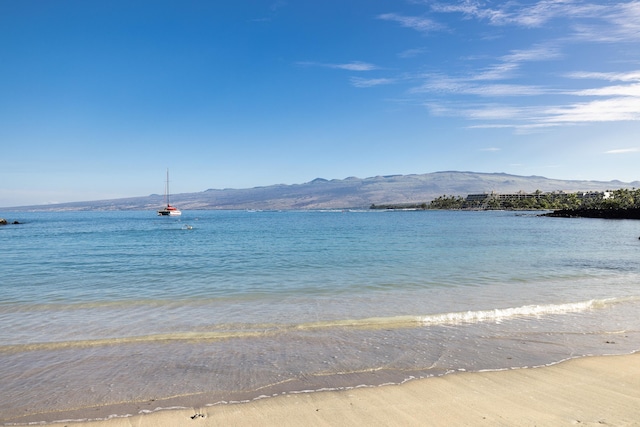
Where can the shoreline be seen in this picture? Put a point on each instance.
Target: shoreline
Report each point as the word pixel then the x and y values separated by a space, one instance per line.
pixel 590 390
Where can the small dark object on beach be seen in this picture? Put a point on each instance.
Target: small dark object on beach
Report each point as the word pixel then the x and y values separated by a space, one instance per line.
pixel 194 416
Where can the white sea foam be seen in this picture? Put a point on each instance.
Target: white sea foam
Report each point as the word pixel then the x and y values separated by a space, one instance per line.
pixel 501 314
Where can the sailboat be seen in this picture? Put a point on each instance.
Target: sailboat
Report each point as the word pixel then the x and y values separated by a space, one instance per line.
pixel 168 210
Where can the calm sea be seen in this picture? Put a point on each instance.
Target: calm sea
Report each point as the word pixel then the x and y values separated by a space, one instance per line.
pixel 117 313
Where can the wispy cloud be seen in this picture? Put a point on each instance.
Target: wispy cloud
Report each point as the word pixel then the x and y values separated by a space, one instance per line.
pixel 540 52
pixel 608 110
pixel 508 64
pixel 278 4
pixel 355 66
pixel 499 93
pixel 498 71
pixel 623 151
pixel 514 13
pixel 619 90
pixel 471 9
pixel 593 21
pixel 273 10
pixel 506 68
pixel 530 118
pixel 492 115
pixel 362 82
pixel 620 103
pixel 350 66
pixel 616 23
pixel 462 86
pixel 631 76
pixel 424 25
pixel 410 53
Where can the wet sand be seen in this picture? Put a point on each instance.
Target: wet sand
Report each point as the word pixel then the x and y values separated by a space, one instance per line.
pixel 587 391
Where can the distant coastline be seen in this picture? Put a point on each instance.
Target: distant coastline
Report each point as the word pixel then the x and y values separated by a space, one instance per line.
pixel 489 190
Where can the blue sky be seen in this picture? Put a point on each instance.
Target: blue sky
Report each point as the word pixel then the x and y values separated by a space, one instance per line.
pixel 97 99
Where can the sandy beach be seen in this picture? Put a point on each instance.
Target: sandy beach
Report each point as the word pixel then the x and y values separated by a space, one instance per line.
pixel 585 391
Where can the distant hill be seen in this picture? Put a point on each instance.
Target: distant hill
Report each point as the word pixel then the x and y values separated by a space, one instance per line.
pixel 347 193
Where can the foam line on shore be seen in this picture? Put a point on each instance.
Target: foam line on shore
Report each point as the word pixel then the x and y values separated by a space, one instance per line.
pixel 263 330
pixel 502 314
pixel 586 390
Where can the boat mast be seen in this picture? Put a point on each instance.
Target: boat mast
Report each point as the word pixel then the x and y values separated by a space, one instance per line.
pixel 166 195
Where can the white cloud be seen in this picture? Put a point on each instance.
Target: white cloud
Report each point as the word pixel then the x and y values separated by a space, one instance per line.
pixel 529 118
pixel 410 53
pixel 623 151
pixel 506 116
pixel 623 77
pixel 496 72
pixel 621 103
pixel 609 110
pixel 471 9
pixel 592 21
pixel 546 10
pixel 354 66
pixel 617 23
pixel 622 90
pixel 423 25
pixel 536 53
pixel 361 82
pixel 610 103
pixel 470 86
pixel 599 97
pixel 513 13
pixel 350 66
pixel 504 90
pixel 279 4
pixel 511 62
pixel 495 112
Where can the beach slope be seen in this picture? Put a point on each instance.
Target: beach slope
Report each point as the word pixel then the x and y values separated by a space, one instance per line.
pixel 588 391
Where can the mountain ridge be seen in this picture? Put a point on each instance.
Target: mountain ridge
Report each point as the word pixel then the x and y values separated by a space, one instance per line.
pixel 350 192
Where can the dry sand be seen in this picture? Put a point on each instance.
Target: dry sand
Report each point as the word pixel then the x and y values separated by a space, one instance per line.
pixel 582 392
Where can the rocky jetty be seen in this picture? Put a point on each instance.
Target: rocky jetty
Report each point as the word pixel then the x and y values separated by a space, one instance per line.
pixel 628 213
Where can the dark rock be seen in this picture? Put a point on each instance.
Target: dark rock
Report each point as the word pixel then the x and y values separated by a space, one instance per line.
pixel 629 213
pixel 5 222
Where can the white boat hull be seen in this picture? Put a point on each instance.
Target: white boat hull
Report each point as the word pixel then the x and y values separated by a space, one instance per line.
pixel 169 212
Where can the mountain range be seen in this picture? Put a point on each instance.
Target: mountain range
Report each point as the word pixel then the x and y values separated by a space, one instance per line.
pixel 350 192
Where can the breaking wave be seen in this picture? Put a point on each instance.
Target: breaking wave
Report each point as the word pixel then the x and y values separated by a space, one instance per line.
pixel 263 330
pixel 502 314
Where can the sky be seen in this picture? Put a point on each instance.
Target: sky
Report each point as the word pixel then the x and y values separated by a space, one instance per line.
pixel 99 98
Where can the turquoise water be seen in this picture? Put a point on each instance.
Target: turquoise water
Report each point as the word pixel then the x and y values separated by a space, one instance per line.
pixel 133 312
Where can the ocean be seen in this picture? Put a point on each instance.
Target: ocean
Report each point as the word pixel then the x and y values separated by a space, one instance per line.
pixel 118 313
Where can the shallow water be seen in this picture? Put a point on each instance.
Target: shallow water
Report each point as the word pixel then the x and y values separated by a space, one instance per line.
pixel 104 308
